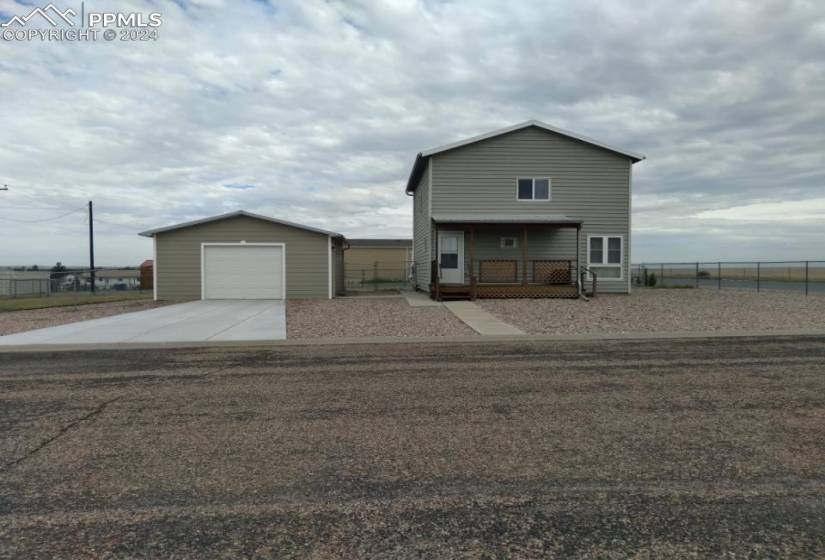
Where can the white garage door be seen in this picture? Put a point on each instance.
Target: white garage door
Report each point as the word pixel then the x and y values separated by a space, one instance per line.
pixel 243 271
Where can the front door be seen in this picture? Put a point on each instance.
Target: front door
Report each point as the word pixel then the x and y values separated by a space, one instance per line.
pixel 451 256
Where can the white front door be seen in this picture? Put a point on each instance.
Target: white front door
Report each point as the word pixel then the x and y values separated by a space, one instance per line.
pixel 451 256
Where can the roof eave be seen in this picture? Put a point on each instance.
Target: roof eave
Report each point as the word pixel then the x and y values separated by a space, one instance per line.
pixel 415 174
pixel 635 157
pixel 155 231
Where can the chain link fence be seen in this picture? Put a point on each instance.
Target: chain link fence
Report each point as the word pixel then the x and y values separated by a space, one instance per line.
pixel 16 283
pixel 800 276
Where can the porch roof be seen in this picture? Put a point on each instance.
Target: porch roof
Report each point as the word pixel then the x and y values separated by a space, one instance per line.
pixel 498 219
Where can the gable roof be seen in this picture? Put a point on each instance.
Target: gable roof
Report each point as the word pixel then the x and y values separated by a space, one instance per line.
pixel 153 232
pixel 420 159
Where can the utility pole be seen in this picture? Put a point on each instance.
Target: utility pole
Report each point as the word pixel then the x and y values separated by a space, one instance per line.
pixel 91 248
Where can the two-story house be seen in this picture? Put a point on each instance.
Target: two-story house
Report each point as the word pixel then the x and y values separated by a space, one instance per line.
pixel 527 211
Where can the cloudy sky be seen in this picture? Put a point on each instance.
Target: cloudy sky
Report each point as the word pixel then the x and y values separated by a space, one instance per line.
pixel 314 111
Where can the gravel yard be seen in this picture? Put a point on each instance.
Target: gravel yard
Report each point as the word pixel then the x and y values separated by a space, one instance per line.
pixel 364 316
pixel 663 310
pixel 19 321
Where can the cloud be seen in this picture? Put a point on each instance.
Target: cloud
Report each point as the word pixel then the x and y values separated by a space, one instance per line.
pixel 322 106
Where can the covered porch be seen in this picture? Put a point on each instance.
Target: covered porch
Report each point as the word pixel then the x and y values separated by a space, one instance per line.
pixel 495 257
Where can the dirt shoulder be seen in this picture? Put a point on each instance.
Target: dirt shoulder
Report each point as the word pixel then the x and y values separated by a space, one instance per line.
pixel 698 448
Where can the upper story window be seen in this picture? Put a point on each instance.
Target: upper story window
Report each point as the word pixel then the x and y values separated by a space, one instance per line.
pixel 533 188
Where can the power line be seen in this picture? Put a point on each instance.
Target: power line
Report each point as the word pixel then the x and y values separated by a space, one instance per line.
pixel 44 220
pixel 32 199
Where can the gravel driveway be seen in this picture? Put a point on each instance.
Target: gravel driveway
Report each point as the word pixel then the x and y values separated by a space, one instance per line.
pixel 19 321
pixel 706 448
pixel 366 316
pixel 663 310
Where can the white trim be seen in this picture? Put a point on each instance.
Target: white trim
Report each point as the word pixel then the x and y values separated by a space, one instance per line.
pixel 501 244
pixel 604 262
pixel 329 265
pixel 536 123
pixel 534 199
pixel 240 244
pixel 155 268
pixel 429 219
pixel 629 227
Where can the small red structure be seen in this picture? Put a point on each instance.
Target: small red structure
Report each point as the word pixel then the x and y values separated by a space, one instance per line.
pixel 147 268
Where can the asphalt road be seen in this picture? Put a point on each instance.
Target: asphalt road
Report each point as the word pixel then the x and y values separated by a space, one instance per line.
pixel 660 449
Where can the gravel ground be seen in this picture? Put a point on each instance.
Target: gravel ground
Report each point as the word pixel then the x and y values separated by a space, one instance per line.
pixel 19 321
pixel 663 310
pixel 365 316
pixel 690 449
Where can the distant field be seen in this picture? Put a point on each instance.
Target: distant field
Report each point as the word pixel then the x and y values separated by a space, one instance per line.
pixel 62 300
pixel 767 272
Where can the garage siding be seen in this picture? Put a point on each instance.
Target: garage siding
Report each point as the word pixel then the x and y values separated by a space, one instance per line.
pixel 179 256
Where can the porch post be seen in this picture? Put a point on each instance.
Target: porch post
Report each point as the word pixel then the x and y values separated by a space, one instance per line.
pixel 472 262
pixel 578 257
pixel 435 261
pixel 524 256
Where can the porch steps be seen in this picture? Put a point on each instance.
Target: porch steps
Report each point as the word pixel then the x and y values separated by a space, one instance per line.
pixel 454 292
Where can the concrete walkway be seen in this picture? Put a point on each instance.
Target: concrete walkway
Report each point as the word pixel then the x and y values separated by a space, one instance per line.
pixel 420 299
pixel 194 321
pixel 479 320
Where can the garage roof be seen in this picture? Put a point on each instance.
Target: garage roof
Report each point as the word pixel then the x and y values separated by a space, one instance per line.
pixel 153 232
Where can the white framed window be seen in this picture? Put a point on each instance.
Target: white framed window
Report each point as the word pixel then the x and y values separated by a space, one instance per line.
pixel 508 242
pixel 533 188
pixel 605 254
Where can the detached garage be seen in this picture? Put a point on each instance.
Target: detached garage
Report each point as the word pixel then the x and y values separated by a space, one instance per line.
pixel 241 255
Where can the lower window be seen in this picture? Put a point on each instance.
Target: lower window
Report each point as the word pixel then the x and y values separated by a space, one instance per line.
pixel 605 255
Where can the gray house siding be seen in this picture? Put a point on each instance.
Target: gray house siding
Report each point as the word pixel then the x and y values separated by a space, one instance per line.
pixel 543 243
pixel 422 231
pixel 178 258
pixel 587 182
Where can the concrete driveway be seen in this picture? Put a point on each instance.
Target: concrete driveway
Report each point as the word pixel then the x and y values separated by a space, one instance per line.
pixel 194 321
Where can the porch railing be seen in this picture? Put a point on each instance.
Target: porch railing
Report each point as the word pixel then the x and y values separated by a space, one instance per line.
pixel 517 272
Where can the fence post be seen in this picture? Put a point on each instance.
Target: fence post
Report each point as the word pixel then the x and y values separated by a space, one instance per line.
pixel 662 274
pixel 758 275
pixel 719 274
pixel 375 276
pixel 806 278
pixel 697 274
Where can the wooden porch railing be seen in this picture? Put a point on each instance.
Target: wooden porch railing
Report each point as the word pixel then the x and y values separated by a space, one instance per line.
pixel 509 271
pixel 510 278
